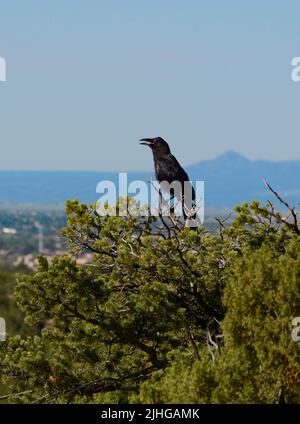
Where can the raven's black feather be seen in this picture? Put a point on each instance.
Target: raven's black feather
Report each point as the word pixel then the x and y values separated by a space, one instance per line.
pixel 166 166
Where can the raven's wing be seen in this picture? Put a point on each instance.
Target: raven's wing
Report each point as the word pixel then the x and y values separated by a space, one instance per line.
pixel 167 168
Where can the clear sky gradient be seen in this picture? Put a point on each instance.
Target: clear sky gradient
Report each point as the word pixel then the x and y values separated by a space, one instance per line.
pixel 87 79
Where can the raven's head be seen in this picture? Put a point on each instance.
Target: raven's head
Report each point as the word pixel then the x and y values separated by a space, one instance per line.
pixel 158 145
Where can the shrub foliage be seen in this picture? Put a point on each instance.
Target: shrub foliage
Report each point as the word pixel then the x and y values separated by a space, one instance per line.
pixel 162 314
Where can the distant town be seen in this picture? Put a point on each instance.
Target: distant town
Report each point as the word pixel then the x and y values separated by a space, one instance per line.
pixel 26 234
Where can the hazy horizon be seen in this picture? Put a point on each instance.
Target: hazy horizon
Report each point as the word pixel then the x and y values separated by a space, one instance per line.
pixel 150 168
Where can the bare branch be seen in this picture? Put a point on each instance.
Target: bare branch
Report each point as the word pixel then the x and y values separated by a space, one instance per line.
pixel 293 225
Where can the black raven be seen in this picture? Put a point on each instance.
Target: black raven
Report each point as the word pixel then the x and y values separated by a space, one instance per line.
pixel 167 168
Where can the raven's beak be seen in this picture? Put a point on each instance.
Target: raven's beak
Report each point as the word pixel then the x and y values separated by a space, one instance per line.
pixel 146 141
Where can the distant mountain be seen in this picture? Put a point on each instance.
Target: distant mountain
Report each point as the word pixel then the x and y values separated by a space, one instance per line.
pixel 230 179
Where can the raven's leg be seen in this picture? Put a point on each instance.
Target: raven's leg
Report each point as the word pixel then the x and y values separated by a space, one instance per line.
pixel 160 201
pixel 183 209
pixel 188 203
pixel 172 197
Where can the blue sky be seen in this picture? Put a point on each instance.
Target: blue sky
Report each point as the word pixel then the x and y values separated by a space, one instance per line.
pixel 86 80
